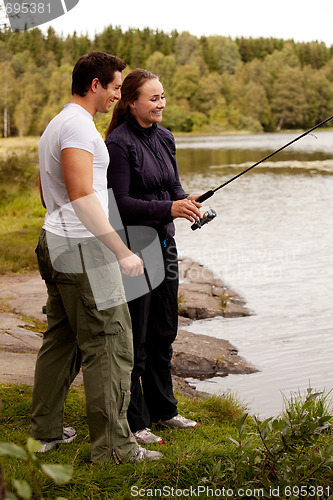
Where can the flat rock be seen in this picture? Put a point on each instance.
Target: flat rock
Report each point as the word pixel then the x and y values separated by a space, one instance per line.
pixel 25 295
pixel 202 356
pixel 203 295
pixel 24 340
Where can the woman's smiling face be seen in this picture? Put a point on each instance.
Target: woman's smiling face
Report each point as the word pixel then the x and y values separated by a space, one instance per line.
pixel 148 108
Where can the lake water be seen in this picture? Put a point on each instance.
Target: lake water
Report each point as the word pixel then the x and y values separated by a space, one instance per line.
pixel 272 242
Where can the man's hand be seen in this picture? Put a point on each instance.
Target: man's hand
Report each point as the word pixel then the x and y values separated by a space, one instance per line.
pixel 131 265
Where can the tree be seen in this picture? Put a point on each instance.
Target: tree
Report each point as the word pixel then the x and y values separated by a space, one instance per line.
pixel 210 90
pixel 218 116
pixel 313 54
pixel 258 48
pixel 54 45
pixel 186 48
pixel 224 53
pixel 136 59
pixel 177 118
pixel 29 102
pixel 7 96
pixel 58 94
pixel 289 102
pixel 185 84
pixel 249 93
pixel 319 95
pixel 162 66
pixel 255 105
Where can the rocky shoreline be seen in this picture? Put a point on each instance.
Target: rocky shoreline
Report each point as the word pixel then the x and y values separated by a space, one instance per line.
pixel 201 295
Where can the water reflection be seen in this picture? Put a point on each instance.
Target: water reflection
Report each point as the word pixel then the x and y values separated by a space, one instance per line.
pixel 195 154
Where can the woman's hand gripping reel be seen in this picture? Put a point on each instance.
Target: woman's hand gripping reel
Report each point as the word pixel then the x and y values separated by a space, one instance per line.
pixel 207 217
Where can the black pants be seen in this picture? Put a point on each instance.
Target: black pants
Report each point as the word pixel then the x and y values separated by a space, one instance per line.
pixel 155 324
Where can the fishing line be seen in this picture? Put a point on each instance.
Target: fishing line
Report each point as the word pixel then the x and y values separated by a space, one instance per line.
pixel 211 214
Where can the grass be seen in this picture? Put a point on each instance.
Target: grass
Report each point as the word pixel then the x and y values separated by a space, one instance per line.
pixel 228 452
pixel 189 454
pixel 22 214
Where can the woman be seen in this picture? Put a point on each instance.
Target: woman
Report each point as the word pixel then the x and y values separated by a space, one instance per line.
pixel 143 174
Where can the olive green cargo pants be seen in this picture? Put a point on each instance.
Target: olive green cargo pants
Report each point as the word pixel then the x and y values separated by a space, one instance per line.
pixel 80 335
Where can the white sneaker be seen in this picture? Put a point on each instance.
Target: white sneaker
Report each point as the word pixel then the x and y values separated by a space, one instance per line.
pixel 143 455
pixel 68 435
pixel 179 422
pixel 146 437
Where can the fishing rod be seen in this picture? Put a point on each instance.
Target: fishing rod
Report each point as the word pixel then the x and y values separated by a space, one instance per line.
pixel 211 214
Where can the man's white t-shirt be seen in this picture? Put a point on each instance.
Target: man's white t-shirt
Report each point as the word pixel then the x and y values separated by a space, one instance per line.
pixel 73 127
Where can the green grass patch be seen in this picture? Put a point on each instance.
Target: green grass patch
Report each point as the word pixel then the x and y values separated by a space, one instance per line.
pixel 188 454
pixel 22 213
pixel 227 454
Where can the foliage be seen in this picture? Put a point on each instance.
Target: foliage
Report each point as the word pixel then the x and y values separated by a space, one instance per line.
pixel 229 451
pixel 293 449
pixel 60 474
pixel 250 84
pixel 186 453
pixel 21 210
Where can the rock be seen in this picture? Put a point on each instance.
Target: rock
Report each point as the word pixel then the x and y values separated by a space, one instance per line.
pixel 183 387
pixel 202 295
pixel 24 294
pixel 201 356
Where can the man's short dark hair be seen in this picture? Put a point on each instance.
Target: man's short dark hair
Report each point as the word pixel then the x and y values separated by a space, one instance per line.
pixel 95 65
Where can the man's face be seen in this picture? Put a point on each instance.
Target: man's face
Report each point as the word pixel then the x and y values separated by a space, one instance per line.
pixel 105 97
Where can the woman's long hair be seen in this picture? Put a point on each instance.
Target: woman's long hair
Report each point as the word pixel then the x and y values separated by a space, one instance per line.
pixel 129 93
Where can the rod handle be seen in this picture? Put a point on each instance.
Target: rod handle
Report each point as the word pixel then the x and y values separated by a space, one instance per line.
pixel 205 196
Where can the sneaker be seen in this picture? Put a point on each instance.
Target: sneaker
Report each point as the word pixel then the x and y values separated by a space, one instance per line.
pixel 68 435
pixel 179 422
pixel 146 437
pixel 143 455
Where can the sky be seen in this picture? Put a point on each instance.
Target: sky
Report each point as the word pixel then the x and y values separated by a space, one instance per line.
pixel 301 20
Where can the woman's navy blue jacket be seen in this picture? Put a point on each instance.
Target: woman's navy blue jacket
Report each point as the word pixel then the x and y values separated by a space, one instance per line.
pixel 143 174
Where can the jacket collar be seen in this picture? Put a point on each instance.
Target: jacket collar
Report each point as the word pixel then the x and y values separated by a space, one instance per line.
pixel 142 131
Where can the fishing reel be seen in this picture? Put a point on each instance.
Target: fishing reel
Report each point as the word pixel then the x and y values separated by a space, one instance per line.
pixel 206 217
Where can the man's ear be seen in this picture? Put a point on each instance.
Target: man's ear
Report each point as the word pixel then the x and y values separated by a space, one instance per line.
pixel 94 84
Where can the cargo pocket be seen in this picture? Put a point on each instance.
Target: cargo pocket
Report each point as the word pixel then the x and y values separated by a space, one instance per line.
pixel 43 260
pixel 125 397
pixel 101 322
pixel 115 328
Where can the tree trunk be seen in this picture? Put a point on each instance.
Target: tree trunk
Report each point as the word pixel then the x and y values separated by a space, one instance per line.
pixel 5 121
pixel 2 486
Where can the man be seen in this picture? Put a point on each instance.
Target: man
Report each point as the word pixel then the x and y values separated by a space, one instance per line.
pixel 73 253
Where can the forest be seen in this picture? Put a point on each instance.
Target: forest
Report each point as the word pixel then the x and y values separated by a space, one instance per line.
pixel 213 84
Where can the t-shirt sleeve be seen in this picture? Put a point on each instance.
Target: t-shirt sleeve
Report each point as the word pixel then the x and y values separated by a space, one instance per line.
pixel 79 134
